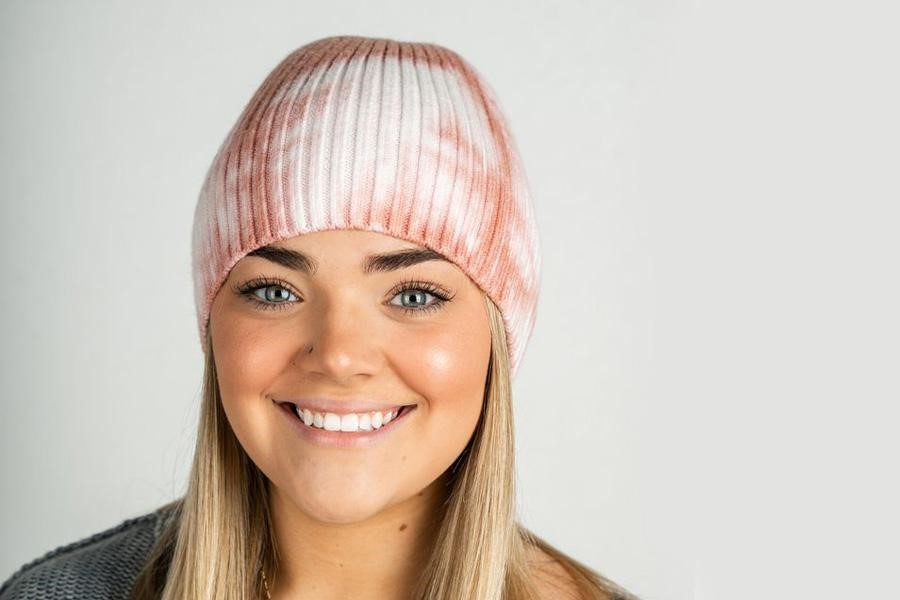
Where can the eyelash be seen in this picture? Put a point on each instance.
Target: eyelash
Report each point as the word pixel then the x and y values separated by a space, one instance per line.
pixel 247 291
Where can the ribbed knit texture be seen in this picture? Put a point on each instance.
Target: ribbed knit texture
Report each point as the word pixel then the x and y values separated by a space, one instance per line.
pixel 401 138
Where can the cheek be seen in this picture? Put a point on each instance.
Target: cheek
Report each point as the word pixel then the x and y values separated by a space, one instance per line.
pixel 450 362
pixel 448 371
pixel 246 365
pixel 246 360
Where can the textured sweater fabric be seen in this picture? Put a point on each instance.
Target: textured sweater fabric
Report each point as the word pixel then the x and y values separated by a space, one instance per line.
pixel 104 565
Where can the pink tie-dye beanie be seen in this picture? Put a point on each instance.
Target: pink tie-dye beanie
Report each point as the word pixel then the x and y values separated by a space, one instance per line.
pixel 401 138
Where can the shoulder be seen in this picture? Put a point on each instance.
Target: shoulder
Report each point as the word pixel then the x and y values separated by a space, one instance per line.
pixel 551 579
pixel 102 565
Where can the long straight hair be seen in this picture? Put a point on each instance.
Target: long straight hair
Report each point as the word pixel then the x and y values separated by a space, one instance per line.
pixel 219 535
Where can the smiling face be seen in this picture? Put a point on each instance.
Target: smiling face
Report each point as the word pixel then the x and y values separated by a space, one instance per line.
pixel 381 335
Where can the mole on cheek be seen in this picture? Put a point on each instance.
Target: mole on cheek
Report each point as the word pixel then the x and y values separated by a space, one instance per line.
pixel 402 527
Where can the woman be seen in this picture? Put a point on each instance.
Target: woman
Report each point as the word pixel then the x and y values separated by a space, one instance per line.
pixel 366 269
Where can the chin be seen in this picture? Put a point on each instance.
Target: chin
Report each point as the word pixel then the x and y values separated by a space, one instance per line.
pixel 337 511
pixel 340 503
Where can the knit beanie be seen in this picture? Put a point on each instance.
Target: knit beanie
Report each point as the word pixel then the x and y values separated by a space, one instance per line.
pixel 401 138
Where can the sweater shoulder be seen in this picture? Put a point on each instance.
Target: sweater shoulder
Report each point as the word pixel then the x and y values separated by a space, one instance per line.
pixel 102 565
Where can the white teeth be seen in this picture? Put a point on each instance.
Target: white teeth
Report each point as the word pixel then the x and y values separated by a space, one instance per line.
pixel 349 422
pixel 332 422
pixel 365 422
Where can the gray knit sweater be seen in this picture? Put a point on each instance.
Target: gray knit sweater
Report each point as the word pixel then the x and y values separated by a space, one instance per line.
pixel 106 564
pixel 103 565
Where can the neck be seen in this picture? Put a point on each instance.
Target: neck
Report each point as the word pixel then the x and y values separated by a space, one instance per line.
pixel 380 557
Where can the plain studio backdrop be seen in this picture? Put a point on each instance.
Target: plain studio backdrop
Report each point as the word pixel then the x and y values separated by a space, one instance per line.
pixel 707 408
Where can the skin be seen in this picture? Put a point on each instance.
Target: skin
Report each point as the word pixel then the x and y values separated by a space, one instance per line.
pixel 351 523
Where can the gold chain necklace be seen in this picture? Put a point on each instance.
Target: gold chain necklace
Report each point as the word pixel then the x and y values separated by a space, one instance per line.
pixel 266 584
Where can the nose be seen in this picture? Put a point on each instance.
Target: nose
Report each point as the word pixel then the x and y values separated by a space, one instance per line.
pixel 341 342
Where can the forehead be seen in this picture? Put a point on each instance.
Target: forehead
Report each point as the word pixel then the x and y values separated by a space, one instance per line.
pixel 346 239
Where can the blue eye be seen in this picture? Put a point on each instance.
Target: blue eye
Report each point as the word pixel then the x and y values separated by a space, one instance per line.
pixel 418 298
pixel 279 295
pixel 414 295
pixel 418 292
pixel 275 293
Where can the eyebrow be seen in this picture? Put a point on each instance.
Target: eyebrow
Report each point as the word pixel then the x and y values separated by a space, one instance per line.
pixel 374 263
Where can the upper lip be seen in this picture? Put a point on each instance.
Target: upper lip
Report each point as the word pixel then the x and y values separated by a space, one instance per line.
pixel 339 406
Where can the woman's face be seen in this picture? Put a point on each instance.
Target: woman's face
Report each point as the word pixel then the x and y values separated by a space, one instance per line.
pixel 380 335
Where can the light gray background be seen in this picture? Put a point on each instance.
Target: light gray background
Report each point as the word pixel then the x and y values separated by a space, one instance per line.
pixel 707 407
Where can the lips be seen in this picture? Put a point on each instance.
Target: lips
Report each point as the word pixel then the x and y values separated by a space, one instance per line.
pixel 348 422
pixel 340 406
pixel 344 439
pixel 342 410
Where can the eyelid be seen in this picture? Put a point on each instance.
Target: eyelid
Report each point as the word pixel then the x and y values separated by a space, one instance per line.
pixel 419 284
pixel 261 282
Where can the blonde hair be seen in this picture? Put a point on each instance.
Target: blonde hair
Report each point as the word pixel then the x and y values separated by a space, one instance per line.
pixel 219 536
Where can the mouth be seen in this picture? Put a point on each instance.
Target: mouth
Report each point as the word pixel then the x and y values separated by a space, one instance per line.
pixel 358 423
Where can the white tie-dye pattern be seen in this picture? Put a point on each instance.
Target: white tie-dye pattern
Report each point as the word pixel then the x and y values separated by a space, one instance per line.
pixel 320 207
pixel 425 151
pixel 308 177
pixel 376 138
pixel 454 174
pixel 400 206
pixel 387 159
pixel 361 194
